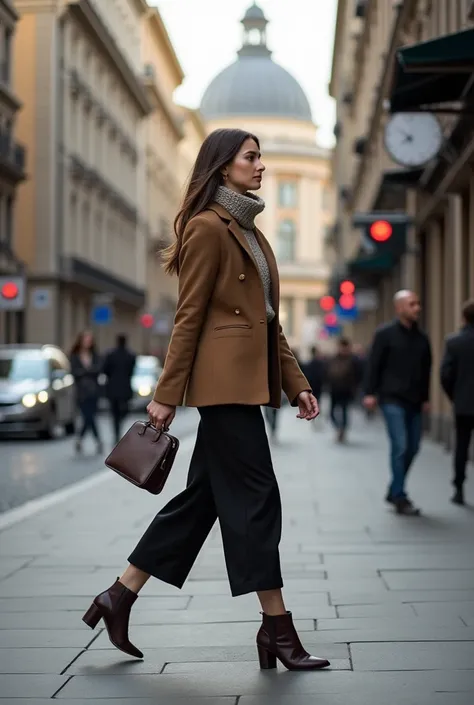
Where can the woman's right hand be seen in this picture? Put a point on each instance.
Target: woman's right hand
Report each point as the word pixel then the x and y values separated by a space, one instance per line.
pixel 161 415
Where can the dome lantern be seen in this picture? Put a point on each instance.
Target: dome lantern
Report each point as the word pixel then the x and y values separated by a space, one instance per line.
pixel 255 33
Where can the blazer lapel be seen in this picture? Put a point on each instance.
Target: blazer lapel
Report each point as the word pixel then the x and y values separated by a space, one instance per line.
pixel 234 228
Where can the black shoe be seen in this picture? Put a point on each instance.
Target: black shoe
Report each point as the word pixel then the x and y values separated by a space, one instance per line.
pixel 389 498
pixel 458 497
pixel 404 506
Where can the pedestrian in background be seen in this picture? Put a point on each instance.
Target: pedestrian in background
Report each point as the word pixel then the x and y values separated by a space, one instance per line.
pixel 227 357
pixel 118 366
pixel 343 377
pixel 86 367
pixel 398 377
pixel 457 379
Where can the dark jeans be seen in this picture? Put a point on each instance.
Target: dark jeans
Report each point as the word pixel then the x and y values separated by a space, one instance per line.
pixel 404 428
pixel 340 411
pixel 464 429
pixel 119 410
pixel 88 410
pixel 231 478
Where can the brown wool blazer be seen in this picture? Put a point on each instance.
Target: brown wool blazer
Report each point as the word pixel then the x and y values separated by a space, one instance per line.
pixel 222 351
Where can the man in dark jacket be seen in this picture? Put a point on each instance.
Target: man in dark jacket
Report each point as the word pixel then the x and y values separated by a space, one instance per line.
pixel 343 377
pixel 119 364
pixel 398 377
pixel 457 379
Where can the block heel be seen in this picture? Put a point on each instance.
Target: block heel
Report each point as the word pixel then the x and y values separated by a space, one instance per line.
pixel 267 659
pixel 92 617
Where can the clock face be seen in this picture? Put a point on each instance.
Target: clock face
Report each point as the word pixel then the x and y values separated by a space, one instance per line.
pixel 412 139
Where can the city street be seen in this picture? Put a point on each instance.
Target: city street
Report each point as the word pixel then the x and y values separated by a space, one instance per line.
pixel 30 468
pixel 388 599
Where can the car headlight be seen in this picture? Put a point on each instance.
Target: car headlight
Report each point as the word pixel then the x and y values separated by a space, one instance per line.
pixel 29 400
pixel 43 397
pixel 144 390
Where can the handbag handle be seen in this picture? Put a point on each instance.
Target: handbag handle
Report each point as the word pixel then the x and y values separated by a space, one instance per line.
pixel 149 424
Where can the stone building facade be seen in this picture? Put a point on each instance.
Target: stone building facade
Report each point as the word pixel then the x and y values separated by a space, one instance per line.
pixel 12 169
pixel 438 260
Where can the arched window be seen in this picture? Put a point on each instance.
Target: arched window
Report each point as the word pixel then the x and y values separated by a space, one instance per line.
pixel 286 248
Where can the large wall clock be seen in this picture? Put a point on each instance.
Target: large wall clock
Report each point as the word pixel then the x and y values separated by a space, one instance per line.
pixel 412 139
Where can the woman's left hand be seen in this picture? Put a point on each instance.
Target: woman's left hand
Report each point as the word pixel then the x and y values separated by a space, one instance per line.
pixel 308 406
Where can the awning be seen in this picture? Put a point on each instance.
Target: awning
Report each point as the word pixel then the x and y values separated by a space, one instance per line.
pixel 391 193
pixel 432 74
pixel 364 263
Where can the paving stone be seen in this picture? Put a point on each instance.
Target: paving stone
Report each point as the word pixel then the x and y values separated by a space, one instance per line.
pixel 429 579
pixel 414 657
pixel 413 698
pixel 78 603
pixel 202 635
pixel 446 560
pixel 157 700
pixel 52 638
pixel 345 597
pixel 102 661
pixel 386 610
pixel 379 623
pixel 36 660
pixel 29 686
pixel 249 602
pixel 204 679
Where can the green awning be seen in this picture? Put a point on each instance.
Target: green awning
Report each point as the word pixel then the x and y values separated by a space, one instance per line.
pixel 372 263
pixel 434 73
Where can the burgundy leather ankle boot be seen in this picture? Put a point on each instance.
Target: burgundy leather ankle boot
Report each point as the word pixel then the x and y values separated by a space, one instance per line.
pixel 113 606
pixel 278 639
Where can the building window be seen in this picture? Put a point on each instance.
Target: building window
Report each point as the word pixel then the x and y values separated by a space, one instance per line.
pixel 7 52
pixel 312 308
pixel 288 194
pixel 287 315
pixel 286 247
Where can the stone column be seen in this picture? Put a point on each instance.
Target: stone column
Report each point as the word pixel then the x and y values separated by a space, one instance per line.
pixel 408 264
pixel 434 306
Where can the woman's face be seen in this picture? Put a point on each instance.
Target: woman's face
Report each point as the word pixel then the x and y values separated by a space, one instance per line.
pixel 245 171
pixel 87 340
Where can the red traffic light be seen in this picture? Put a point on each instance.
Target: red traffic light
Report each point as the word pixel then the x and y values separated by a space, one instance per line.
pixel 330 319
pixel 10 291
pixel 347 301
pixel 347 287
pixel 380 230
pixel 147 320
pixel 327 303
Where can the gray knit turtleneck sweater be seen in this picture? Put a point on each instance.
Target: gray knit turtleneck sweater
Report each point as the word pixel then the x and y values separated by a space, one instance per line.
pixel 244 208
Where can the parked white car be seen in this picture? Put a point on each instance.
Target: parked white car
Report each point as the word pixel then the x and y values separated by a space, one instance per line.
pixel 145 376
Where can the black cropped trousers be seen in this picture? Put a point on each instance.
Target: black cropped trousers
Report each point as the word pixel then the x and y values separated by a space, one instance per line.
pixel 231 478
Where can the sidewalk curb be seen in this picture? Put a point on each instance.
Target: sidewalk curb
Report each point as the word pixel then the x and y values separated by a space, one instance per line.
pixel 29 509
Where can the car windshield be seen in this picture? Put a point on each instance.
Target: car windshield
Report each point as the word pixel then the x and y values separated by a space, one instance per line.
pixel 146 367
pixel 22 367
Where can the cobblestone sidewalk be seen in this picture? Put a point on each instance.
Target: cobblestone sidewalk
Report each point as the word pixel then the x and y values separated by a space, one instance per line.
pixel 389 600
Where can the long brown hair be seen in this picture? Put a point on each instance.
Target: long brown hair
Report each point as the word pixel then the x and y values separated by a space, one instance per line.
pixel 218 149
pixel 77 346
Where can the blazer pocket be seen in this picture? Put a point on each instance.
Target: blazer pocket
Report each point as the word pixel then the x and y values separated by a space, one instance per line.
pixel 233 330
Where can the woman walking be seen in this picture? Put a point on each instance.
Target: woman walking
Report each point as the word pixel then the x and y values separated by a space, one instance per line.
pixel 227 356
pixel 86 368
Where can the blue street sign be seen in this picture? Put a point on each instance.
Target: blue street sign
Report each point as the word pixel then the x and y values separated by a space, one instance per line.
pixel 333 330
pixel 347 314
pixel 102 314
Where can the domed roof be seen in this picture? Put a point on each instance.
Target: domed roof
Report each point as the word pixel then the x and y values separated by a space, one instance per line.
pixel 254 84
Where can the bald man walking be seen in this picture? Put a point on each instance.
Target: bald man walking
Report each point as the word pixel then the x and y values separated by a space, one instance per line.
pixel 398 379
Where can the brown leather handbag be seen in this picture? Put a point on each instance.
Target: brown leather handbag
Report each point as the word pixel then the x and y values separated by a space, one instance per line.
pixel 144 456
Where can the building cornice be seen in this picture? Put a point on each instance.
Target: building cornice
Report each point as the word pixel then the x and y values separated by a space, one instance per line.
pixel 157 24
pixel 85 13
pixel 7 8
pixel 157 98
pixel 292 149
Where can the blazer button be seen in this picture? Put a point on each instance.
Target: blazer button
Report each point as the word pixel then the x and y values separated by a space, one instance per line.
pixel 262 321
pixel 241 277
pixel 237 312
